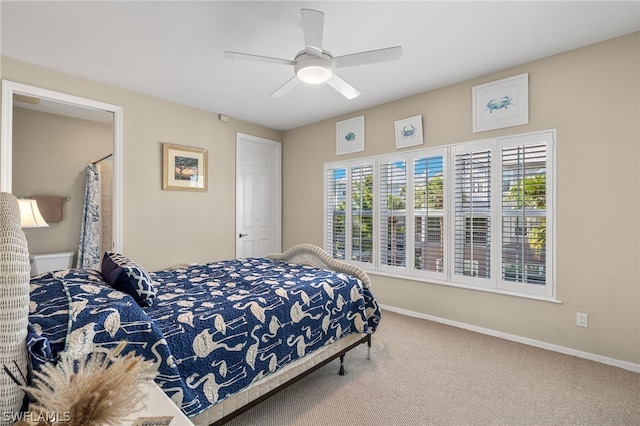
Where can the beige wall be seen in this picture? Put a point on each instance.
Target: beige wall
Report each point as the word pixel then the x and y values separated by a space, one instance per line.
pixel 50 157
pixel 163 228
pixel 591 96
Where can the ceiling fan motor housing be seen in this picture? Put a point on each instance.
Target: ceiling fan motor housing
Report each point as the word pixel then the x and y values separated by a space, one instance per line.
pixel 313 69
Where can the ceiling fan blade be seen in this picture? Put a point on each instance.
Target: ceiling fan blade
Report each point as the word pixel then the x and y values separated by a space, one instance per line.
pixel 345 89
pixel 312 28
pixel 286 87
pixel 248 57
pixel 370 57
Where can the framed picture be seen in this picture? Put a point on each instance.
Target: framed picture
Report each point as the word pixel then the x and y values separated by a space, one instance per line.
pixel 184 168
pixel 502 103
pixel 350 135
pixel 409 132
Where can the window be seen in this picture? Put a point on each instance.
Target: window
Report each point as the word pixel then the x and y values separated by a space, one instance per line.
pixel 335 205
pixel 362 213
pixel 428 212
pixel 349 231
pixel 473 212
pixel 524 214
pixel 476 214
pixel 393 213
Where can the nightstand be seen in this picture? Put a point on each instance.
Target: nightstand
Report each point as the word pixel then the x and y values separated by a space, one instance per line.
pixel 158 404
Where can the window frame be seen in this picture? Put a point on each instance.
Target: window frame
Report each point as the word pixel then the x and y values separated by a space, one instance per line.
pixel 447 274
pixel 391 159
pixel 456 278
pixel 348 238
pixel 550 208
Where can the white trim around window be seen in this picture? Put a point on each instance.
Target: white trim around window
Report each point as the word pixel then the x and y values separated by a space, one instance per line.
pixel 478 214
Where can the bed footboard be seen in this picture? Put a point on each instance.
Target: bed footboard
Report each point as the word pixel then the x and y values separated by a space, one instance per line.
pixel 309 254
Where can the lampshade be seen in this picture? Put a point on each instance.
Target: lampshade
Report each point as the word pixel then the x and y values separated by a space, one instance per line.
pixel 30 216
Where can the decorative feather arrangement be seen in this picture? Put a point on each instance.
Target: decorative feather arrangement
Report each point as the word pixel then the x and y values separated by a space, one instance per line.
pixel 98 390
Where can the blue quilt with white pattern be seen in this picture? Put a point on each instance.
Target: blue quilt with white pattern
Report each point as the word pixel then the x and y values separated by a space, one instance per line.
pixel 214 328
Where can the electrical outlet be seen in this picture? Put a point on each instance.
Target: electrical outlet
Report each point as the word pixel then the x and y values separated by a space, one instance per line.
pixel 582 320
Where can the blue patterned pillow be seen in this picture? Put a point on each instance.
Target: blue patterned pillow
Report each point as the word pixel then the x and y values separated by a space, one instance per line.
pixel 125 275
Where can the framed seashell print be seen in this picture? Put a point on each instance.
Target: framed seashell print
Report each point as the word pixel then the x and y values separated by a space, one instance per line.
pixel 409 132
pixel 350 135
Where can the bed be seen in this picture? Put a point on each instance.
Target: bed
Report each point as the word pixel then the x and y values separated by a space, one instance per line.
pixel 224 335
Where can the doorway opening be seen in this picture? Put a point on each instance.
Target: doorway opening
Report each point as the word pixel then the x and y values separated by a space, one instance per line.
pixel 61 101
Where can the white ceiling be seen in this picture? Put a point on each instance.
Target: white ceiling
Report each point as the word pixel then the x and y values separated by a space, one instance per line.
pixel 175 49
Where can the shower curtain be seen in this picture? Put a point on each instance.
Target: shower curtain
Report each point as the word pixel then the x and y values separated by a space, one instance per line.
pixel 89 248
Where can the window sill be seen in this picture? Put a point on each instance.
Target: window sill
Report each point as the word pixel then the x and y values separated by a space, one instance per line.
pixel 466 287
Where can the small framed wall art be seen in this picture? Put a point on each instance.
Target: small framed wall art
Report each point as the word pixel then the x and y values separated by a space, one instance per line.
pixel 502 103
pixel 350 135
pixel 409 132
pixel 184 168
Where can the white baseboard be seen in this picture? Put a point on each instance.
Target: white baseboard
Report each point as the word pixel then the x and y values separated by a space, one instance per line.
pixel 531 342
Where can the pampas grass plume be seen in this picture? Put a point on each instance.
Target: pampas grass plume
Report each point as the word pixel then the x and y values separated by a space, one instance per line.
pixel 98 390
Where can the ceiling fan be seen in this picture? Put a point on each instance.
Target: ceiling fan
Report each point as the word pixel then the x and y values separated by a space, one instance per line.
pixel 314 65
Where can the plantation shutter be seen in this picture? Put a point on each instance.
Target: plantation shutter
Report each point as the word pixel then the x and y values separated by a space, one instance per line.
pixel 473 213
pixel 428 214
pixel 393 205
pixel 362 213
pixel 524 222
pixel 477 214
pixel 335 205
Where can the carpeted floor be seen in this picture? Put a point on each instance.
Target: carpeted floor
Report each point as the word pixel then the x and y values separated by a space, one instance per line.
pixel 426 373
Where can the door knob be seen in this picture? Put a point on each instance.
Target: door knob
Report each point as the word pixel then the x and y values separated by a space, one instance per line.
pixel 243 235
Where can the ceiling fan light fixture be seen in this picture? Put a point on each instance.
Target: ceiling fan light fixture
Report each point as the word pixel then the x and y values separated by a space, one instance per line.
pixel 314 70
pixel 314 65
pixel 314 74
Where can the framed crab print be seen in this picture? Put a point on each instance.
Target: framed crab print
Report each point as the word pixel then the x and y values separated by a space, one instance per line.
pixel 350 135
pixel 409 132
pixel 502 103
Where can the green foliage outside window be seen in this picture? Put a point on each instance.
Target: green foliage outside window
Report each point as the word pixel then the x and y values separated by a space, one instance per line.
pixel 530 193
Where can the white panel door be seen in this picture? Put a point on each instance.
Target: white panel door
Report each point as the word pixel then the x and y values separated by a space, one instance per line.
pixel 258 196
